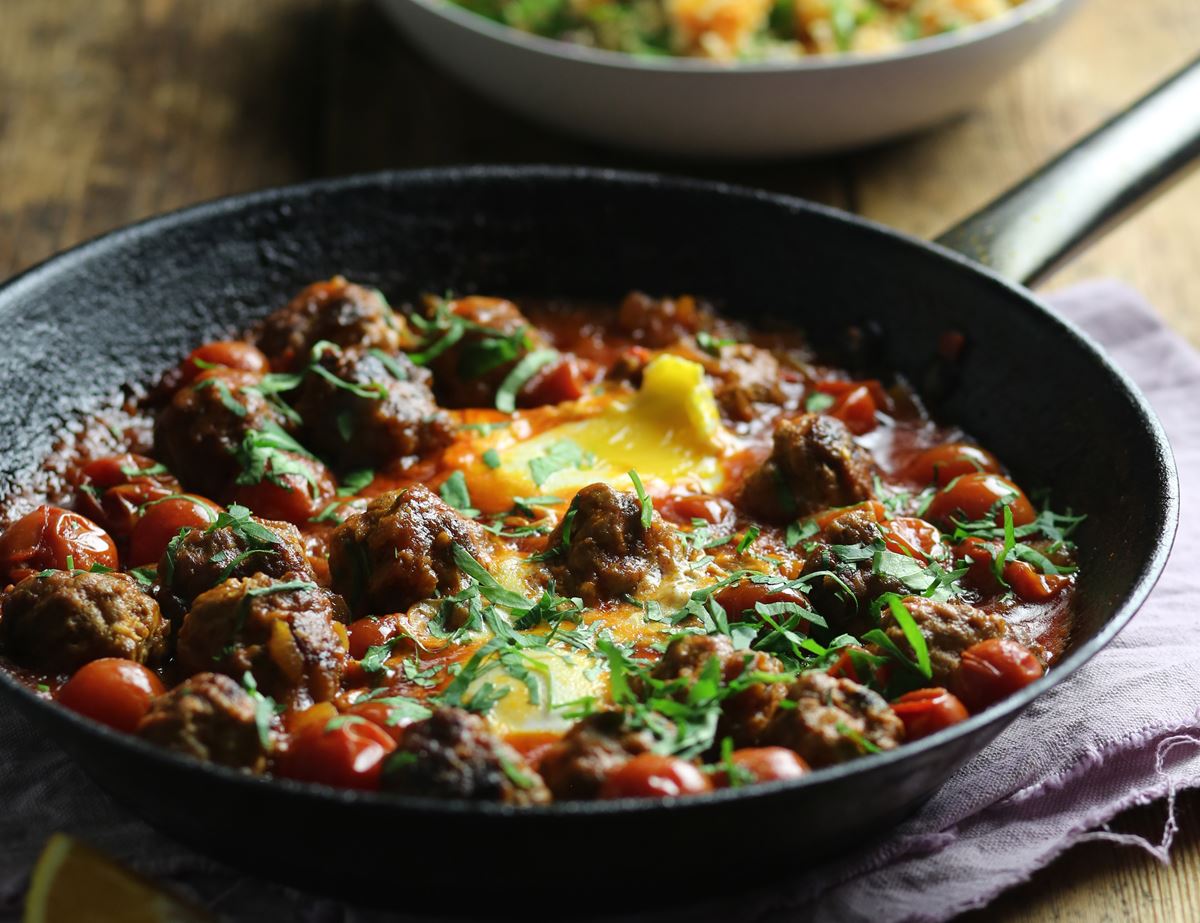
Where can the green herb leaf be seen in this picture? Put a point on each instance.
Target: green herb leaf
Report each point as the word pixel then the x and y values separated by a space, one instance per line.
pixel 530 364
pixel 488 585
pixel 491 458
pixel 644 498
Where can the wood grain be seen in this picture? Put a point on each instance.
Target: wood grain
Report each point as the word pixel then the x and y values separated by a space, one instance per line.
pixel 113 110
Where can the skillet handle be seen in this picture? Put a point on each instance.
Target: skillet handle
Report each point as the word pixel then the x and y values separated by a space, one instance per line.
pixel 1034 227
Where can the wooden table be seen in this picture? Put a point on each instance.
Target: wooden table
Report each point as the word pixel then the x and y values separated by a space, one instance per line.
pixel 112 110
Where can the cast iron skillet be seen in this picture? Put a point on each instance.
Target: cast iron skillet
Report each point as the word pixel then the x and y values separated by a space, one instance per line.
pixel 125 307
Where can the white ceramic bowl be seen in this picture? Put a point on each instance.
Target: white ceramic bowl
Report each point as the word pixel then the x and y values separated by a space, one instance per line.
pixel 698 108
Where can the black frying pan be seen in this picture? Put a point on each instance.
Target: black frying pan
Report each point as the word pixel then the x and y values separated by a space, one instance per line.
pixel 124 308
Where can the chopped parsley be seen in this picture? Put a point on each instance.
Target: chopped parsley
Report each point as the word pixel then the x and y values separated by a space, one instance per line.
pixel 643 498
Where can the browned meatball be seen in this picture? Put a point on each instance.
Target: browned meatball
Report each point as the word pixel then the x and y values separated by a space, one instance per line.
pixel 576 767
pixel 280 631
pixel 746 376
pixel 400 550
pixel 209 717
pixel 451 754
pixel 949 628
pixel 199 434
pixel 745 714
pixel 845 598
pixel 815 464
pixel 658 322
pixel 337 311
pixel 62 620
pixel 496 336
pixel 609 552
pixel 242 546
pixel 833 720
pixel 368 408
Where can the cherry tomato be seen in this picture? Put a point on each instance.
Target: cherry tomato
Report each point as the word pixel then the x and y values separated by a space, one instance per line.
pixel 838 388
pixel 370 632
pixel 112 691
pixel 856 408
pixel 383 716
pixel 876 510
pixel 230 354
pixel 1031 585
pixel 51 538
pixel 113 492
pixel 162 521
pixel 911 536
pixel 764 764
pixel 927 711
pixel 683 509
pixel 297 502
pixel 739 597
pixel 1026 582
pixel 978 496
pixel 993 670
pixel 943 463
pixel 649 775
pixel 346 753
pixel 552 384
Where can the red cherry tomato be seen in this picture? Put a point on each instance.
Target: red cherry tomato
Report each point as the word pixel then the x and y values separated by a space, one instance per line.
pixel 553 384
pixel 683 509
pixel 51 538
pixel 943 463
pixel 1025 580
pixel 382 716
pixel 1032 586
pixel 370 632
pixel 113 492
pixel 649 775
pixel 112 691
pixel 764 764
pixel 345 753
pixel 230 354
pixel 162 521
pixel 911 536
pixel 741 596
pixel 993 670
pixel 856 408
pixel 297 502
pixel 927 711
pixel 978 496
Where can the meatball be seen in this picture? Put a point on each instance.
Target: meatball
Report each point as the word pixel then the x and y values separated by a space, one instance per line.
pixel 240 547
pixel 659 322
pixel 368 408
pixel 608 552
pixel 280 631
pixel 949 628
pixel 746 375
pixel 336 311
pixel 833 720
pixel 576 767
pixel 745 714
pixel 815 464
pixel 844 599
pixel 451 754
pixel 62 620
pixel 199 434
pixel 496 337
pixel 209 717
pixel 400 550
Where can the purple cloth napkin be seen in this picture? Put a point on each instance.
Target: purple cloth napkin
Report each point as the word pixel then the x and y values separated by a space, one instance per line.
pixel 1123 731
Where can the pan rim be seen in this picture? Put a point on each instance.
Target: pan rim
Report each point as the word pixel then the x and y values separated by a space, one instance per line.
pixel 1166 478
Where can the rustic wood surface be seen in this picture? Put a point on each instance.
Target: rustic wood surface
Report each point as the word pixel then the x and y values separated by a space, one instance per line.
pixel 112 110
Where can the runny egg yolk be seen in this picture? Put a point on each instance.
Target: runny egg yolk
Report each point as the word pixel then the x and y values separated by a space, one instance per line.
pixel 670 431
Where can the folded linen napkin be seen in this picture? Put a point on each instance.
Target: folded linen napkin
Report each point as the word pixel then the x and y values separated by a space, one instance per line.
pixel 1124 730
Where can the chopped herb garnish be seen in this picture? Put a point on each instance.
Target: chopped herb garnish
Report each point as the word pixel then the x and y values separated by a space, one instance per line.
pixel 562 454
pixel 818 402
pixel 643 498
pixel 748 539
pixel 491 458
pixel 711 344
pixel 454 491
pixel 488 585
pixel 355 482
pixel 522 372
